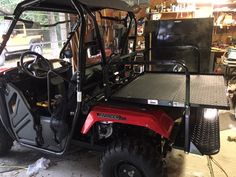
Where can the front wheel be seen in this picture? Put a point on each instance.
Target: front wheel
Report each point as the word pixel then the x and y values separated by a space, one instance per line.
pixel 6 141
pixel 131 158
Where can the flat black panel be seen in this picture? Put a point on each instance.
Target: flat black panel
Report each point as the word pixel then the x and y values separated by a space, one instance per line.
pixel 195 31
pixel 185 32
pixel 169 90
pixel 148 87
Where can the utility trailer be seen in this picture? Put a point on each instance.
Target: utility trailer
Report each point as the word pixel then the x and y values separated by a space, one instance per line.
pixel 135 118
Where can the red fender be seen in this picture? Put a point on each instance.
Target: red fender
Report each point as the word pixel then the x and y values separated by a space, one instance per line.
pixel 3 69
pixel 155 120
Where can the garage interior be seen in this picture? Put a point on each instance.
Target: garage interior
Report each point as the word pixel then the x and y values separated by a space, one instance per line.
pixel 164 37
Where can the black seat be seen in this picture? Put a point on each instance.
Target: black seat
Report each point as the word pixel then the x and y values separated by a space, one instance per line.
pixel 92 83
pixel 93 80
pixel 92 75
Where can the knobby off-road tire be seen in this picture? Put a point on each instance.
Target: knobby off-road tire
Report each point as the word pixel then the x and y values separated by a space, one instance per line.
pixel 6 141
pixel 131 158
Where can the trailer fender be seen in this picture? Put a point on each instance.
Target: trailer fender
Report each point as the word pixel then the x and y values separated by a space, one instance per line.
pixel 155 120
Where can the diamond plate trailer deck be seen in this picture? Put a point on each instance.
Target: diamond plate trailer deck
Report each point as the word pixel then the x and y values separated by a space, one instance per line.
pixel 169 90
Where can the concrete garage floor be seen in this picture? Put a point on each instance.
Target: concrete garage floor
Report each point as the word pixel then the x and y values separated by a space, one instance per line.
pixel 84 163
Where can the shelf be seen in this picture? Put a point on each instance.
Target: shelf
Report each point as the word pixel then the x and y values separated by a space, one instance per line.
pixel 219 11
pixel 225 4
pixel 225 26
pixel 172 12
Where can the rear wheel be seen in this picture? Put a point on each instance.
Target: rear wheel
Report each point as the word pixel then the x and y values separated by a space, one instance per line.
pixel 6 141
pixel 131 158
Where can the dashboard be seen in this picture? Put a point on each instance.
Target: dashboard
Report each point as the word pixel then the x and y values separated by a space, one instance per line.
pixel 35 89
pixel 16 74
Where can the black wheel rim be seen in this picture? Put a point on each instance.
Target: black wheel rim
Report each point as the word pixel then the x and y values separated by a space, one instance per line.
pixel 127 170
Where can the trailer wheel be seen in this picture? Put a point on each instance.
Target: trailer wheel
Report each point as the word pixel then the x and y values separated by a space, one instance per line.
pixel 6 141
pixel 131 158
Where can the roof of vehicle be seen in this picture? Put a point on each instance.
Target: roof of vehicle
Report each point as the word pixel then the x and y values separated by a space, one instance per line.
pixel 66 5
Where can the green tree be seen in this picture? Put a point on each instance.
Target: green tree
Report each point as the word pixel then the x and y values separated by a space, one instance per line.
pixel 8 5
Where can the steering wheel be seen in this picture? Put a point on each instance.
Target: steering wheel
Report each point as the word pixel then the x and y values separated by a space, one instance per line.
pixel 37 68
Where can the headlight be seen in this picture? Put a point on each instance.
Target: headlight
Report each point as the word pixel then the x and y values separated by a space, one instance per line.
pixel 210 114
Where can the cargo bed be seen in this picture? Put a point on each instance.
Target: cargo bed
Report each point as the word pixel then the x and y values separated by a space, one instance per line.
pixel 169 90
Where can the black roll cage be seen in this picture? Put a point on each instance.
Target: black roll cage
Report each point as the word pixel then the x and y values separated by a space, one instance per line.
pixel 83 10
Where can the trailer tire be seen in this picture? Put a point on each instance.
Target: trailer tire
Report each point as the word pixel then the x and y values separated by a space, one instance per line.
pixel 6 141
pixel 131 157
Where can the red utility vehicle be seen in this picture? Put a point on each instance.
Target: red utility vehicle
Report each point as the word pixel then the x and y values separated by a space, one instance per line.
pixel 134 117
